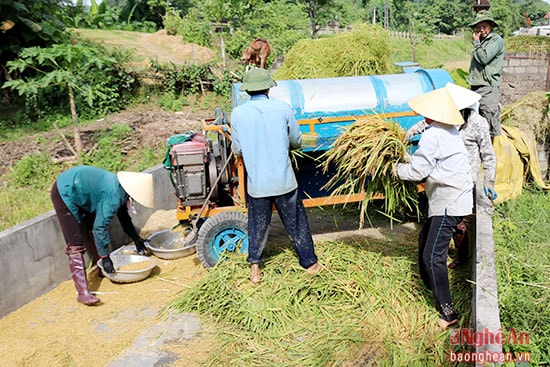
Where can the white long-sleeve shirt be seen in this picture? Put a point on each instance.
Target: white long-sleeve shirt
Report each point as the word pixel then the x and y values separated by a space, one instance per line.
pixel 477 140
pixel 442 160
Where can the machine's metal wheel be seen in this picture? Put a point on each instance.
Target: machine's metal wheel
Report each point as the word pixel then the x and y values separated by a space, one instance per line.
pixel 225 231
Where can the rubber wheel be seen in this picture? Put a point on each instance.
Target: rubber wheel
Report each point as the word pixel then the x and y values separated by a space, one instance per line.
pixel 225 231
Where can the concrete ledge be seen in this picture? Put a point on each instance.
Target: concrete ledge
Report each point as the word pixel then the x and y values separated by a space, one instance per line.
pixel 485 312
pixel 32 257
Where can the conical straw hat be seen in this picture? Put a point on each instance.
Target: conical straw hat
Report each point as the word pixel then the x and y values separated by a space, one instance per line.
pixel 139 186
pixel 437 105
pixel 463 97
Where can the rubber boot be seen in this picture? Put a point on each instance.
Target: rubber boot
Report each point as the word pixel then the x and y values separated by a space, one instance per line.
pixel 78 273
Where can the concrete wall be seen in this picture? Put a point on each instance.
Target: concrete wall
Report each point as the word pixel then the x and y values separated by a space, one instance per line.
pixel 32 257
pixel 523 73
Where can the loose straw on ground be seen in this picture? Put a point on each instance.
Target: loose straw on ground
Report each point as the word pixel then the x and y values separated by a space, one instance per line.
pixel 364 306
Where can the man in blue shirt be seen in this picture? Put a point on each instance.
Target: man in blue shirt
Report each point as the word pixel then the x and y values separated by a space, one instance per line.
pixel 93 195
pixel 263 131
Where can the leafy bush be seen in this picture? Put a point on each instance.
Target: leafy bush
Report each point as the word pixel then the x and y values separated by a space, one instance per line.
pixel 98 78
pixel 184 79
pixel 191 27
pixel 222 86
pixel 34 170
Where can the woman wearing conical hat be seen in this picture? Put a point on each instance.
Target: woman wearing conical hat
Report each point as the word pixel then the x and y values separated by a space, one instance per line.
pixel 442 161
pixel 93 195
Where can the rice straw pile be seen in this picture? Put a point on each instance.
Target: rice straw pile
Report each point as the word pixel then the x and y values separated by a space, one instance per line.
pixel 365 50
pixel 365 155
pixel 365 308
pixel 529 113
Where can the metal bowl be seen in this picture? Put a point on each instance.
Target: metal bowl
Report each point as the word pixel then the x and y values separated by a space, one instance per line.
pixel 168 244
pixel 128 276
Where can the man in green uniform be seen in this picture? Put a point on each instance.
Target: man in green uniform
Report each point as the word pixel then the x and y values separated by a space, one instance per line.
pixel 486 67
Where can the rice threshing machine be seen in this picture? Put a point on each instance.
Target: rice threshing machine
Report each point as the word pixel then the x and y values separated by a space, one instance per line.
pixel 209 181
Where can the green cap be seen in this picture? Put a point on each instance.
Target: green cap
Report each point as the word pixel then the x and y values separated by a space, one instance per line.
pixel 482 16
pixel 257 79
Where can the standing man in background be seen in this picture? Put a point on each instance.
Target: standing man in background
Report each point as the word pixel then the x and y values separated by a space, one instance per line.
pixel 486 67
pixel 263 131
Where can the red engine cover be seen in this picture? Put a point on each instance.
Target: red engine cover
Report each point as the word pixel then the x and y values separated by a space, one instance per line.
pixel 196 145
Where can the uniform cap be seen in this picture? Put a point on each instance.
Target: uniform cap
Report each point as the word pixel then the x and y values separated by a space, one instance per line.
pixel 257 79
pixel 482 16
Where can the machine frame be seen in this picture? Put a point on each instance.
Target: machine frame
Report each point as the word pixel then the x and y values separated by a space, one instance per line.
pixel 217 226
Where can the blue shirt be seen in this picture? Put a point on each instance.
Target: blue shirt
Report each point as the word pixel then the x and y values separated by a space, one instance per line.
pixel 263 131
pixel 86 189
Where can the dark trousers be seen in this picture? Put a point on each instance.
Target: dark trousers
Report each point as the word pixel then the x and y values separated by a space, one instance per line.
pixel 294 218
pixel 433 248
pixel 69 224
pixel 489 107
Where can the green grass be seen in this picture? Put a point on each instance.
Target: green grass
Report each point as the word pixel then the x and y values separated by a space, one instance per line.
pixel 533 44
pixel 432 53
pixel 522 246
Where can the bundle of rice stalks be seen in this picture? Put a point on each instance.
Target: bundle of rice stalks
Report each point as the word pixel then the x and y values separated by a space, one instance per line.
pixel 365 155
pixel 365 50
pixel 365 308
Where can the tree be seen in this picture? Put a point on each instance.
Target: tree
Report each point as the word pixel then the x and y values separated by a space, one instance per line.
pixel 446 16
pixel 26 23
pixel 67 67
pixel 313 8
pixel 508 16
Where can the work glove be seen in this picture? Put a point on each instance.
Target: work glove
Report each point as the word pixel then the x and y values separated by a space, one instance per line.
pixel 140 246
pixel 490 193
pixel 107 264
